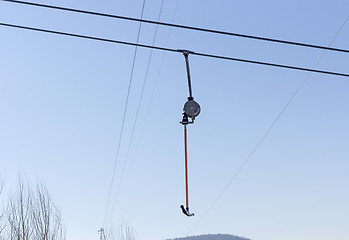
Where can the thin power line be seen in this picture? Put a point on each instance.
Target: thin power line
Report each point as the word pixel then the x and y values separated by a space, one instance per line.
pixel 265 134
pixel 182 26
pixel 154 89
pixel 177 50
pixel 123 119
pixel 137 113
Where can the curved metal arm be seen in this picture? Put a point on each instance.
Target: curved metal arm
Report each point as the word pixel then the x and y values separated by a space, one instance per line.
pixel 186 56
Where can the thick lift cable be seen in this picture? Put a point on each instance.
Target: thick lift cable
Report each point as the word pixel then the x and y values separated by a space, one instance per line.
pixel 191 110
pixel 175 50
pixel 273 40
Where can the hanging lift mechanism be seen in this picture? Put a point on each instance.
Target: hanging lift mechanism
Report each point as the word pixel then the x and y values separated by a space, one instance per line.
pixel 191 110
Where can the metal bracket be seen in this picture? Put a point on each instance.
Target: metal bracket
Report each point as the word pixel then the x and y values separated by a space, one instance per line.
pixel 185 121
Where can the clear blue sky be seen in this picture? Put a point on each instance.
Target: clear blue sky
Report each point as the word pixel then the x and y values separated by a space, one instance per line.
pixel 62 101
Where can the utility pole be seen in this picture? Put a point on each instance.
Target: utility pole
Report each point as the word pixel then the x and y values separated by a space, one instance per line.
pixel 101 234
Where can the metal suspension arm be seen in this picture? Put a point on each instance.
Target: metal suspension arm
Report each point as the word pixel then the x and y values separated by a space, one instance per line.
pixel 186 56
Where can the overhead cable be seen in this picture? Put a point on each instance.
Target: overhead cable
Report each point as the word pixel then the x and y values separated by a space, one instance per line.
pixel 122 128
pixel 176 50
pixel 153 90
pixel 182 26
pixel 137 111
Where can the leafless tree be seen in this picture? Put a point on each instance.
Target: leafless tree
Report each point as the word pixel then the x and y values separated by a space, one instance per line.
pixel 125 232
pixel 2 226
pixel 46 219
pixel 19 215
pixel 108 234
pixel 32 215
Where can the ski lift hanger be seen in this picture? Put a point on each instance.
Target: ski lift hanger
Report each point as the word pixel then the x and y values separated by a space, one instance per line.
pixel 191 110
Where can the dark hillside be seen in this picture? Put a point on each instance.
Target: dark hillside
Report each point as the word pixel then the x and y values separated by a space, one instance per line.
pixel 212 237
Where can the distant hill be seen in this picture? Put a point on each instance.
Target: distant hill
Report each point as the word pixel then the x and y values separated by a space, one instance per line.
pixel 212 237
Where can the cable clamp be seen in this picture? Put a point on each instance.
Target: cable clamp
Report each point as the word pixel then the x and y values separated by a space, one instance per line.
pixel 185 52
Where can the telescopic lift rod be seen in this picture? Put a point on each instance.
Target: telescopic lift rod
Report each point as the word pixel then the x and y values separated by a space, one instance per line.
pixel 191 110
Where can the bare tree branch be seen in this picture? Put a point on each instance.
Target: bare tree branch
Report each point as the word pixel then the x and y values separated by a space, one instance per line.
pixel 46 217
pixel 32 215
pixel 2 224
pixel 125 232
